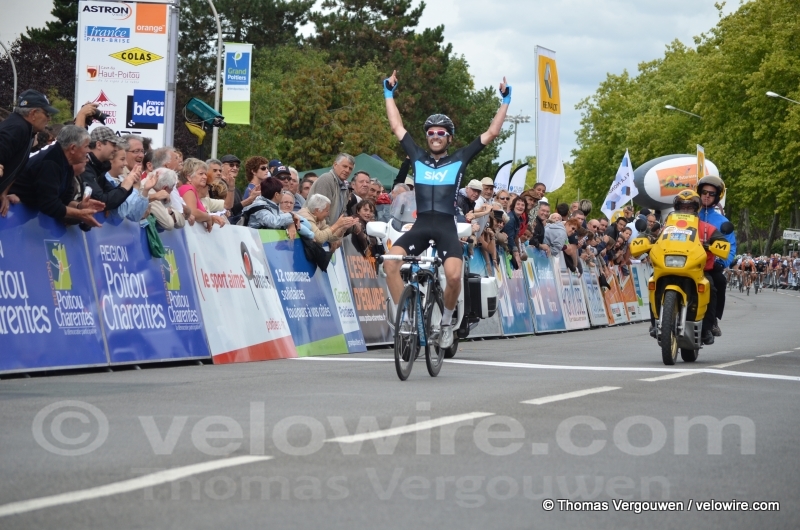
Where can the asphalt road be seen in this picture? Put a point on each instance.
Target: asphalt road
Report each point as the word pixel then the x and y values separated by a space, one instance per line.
pixel 287 444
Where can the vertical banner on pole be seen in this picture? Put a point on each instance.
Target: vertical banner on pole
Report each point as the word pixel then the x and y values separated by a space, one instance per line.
pixel 548 118
pixel 503 176
pixel 517 184
pixel 122 64
pixel 236 83
pixel 622 190
pixel 701 162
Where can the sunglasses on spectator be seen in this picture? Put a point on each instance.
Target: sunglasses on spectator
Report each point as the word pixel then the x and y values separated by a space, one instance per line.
pixel 233 164
pixel 503 198
pixel 440 134
pixel 264 168
pixel 709 193
pixel 284 177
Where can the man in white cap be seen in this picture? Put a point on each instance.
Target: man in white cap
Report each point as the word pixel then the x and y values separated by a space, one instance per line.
pixel 484 205
pixel 466 197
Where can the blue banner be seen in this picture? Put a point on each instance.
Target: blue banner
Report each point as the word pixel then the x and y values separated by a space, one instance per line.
pixel 512 299
pixel 148 306
pixel 543 293
pixel 48 312
pixel 306 296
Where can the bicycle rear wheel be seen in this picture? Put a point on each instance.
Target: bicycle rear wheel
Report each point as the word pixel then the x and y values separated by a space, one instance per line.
pixel 434 355
pixel 406 334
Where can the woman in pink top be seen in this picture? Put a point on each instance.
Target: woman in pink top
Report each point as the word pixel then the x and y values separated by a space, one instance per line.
pixel 194 176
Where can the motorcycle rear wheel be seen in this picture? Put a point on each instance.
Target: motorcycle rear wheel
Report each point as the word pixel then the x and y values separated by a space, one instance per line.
pixel 688 355
pixel 669 328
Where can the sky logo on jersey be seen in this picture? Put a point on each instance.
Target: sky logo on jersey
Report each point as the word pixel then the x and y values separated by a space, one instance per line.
pixel 441 176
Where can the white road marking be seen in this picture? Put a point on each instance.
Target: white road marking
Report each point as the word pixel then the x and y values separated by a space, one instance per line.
pixel 125 486
pixel 733 363
pixel 774 354
pixel 671 376
pixel 797 348
pixel 570 395
pixel 419 426
pixel 362 359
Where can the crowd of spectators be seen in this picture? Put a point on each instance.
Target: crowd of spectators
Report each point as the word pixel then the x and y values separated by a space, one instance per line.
pixel 72 176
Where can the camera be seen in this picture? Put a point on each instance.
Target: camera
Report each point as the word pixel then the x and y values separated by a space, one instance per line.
pixel 97 115
pixel 206 113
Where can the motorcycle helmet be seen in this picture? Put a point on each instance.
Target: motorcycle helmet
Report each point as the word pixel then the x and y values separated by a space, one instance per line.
pixel 440 120
pixel 686 197
pixel 713 181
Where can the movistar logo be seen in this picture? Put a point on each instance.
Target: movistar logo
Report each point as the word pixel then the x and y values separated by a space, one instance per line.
pixel 548 84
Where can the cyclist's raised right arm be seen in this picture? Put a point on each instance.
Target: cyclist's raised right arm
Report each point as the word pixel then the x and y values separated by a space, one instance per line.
pixel 395 121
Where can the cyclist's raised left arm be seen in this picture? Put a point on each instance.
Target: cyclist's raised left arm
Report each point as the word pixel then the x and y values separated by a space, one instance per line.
pixel 497 123
pixel 395 121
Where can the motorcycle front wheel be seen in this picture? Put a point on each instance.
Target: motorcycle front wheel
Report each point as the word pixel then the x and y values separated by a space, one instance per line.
pixel 669 328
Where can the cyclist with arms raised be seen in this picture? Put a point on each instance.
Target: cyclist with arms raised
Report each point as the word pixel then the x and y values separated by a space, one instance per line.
pixel 437 176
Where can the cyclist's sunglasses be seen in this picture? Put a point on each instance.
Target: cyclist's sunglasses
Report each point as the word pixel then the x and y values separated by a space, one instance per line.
pixel 709 193
pixel 440 134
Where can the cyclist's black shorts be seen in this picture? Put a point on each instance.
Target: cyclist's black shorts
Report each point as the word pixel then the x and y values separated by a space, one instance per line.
pixel 439 227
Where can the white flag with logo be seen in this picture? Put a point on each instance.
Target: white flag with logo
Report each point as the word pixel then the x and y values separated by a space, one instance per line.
pixel 622 189
pixel 518 179
pixel 548 118
pixel 502 177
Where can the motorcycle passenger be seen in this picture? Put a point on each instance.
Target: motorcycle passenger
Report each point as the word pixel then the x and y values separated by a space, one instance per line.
pixel 437 175
pixel 688 202
pixel 712 190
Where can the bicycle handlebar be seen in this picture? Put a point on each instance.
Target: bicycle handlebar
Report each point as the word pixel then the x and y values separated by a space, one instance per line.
pixel 409 259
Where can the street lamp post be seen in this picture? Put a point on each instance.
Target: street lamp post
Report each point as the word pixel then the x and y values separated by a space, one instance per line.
pixel 215 130
pixel 670 107
pixel 774 95
pixel 516 120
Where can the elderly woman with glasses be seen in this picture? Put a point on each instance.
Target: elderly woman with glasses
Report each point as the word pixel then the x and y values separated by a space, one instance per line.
pixel 316 210
pixel 161 206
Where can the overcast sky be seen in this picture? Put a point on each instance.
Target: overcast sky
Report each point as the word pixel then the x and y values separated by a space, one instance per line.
pixel 591 38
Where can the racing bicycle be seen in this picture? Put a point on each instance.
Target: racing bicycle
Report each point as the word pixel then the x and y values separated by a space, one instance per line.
pixel 418 318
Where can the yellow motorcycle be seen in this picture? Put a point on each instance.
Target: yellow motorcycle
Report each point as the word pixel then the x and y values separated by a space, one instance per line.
pixel 679 291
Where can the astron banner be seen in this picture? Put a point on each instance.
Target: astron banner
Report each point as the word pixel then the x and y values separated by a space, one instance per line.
pixel 236 83
pixel 122 64
pixel 548 119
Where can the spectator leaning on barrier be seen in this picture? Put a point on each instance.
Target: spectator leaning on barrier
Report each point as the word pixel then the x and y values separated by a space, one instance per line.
pixel 513 229
pixel 287 206
pixel 504 200
pixel 136 204
pixel 230 170
pixel 160 203
pixel 365 212
pixel 134 152
pixel 537 237
pixel 294 187
pixel 192 176
pixel 17 133
pixel 218 188
pixel 317 211
pixel 103 144
pixel 265 212
pixel 48 182
pixel 333 185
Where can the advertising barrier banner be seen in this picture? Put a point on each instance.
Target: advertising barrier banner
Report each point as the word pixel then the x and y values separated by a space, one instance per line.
pixel 305 295
pixel 148 313
pixel 626 287
pixel 122 64
pixel 489 327
pixel 369 293
pixel 543 293
pixel 594 296
pixel 512 299
pixel 573 303
pixel 242 311
pixel 48 311
pixel 343 295
pixel 615 306
pixel 641 274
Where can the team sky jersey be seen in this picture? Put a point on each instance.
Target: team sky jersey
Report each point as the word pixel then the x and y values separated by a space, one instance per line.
pixel 436 182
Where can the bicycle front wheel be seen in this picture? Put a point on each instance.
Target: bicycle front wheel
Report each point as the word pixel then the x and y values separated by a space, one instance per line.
pixel 434 355
pixel 406 332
